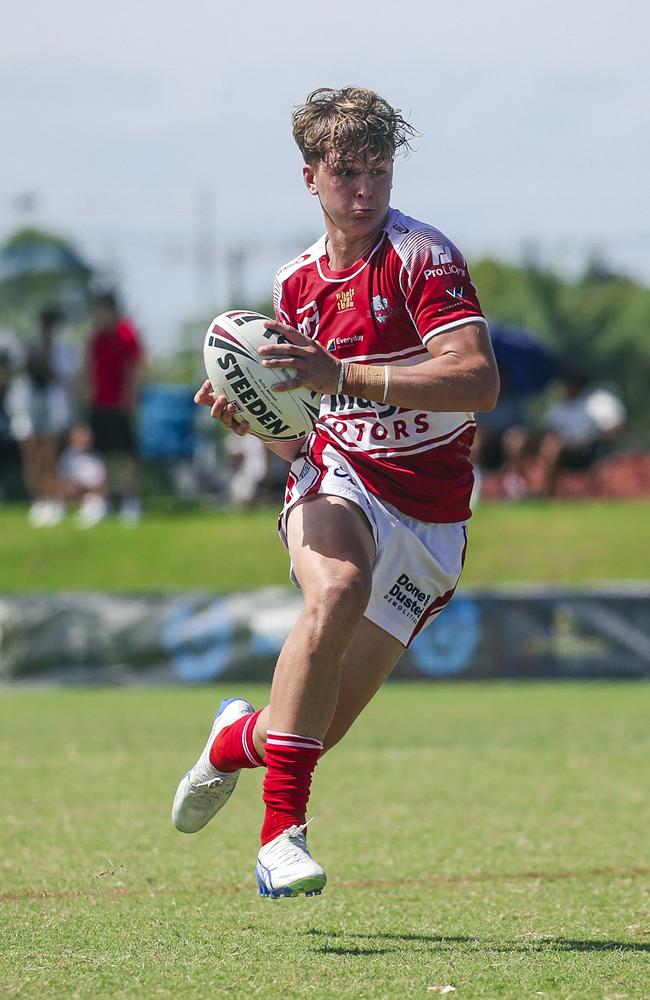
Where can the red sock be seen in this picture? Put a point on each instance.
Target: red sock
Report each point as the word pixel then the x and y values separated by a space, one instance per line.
pixel 234 747
pixel 290 763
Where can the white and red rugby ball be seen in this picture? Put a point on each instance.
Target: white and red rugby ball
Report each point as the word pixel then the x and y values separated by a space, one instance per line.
pixel 235 370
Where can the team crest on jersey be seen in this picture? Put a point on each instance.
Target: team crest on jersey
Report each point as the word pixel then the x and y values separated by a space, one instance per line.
pixel 308 319
pixel 380 308
pixel 345 299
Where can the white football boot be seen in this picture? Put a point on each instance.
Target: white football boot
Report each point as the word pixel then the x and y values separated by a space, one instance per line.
pixel 286 868
pixel 204 790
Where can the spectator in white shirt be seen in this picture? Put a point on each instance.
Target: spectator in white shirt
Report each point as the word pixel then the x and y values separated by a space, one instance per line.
pixel 576 428
pixel 82 475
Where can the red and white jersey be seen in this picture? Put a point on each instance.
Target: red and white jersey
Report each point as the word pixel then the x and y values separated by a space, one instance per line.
pixel 383 310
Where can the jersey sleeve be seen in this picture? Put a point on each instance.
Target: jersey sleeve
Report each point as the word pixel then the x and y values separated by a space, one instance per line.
pixel 439 290
pixel 281 309
pixel 277 300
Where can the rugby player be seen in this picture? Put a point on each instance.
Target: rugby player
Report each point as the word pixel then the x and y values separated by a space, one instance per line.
pixel 382 318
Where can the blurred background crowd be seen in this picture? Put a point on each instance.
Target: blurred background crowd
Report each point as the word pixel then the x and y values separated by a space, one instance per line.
pixel 92 426
pixel 89 423
pixel 151 177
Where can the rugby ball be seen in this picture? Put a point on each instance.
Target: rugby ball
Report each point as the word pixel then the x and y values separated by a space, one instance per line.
pixel 234 369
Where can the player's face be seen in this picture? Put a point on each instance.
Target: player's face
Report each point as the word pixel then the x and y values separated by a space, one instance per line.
pixel 354 196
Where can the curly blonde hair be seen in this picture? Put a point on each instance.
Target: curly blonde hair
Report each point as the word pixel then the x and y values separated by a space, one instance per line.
pixel 349 124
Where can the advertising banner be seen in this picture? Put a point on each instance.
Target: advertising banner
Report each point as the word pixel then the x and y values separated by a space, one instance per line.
pixel 90 638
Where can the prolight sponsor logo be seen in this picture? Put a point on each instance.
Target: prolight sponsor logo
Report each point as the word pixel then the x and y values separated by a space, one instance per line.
pixel 443 262
pixel 445 269
pixel 441 253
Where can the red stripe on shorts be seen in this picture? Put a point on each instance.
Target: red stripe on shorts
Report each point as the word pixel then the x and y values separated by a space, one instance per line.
pixel 314 457
pixel 440 602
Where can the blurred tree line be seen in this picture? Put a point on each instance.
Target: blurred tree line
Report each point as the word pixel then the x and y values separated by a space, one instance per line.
pixel 37 269
pixel 598 324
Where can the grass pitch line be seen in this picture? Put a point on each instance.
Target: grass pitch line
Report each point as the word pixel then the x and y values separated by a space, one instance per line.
pixel 528 876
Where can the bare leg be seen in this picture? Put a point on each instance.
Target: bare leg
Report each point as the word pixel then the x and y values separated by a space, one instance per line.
pixel 39 457
pixel 550 450
pixel 29 456
pixel 332 550
pixel 516 449
pixel 131 478
pixel 117 473
pixel 369 659
pixel 48 454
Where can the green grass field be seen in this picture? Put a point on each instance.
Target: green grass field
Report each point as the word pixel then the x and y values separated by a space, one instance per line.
pixel 560 543
pixel 493 838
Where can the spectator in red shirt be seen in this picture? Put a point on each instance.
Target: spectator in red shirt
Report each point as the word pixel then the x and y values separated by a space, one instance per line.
pixel 114 358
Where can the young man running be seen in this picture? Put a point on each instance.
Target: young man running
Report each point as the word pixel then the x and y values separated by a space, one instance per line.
pixel 381 317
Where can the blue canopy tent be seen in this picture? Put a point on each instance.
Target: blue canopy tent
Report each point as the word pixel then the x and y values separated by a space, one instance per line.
pixel 525 362
pixel 166 415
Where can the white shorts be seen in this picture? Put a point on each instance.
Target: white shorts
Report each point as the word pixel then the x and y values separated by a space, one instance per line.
pixel 417 564
pixel 38 412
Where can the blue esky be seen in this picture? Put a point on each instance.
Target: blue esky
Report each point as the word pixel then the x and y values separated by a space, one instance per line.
pixel 157 135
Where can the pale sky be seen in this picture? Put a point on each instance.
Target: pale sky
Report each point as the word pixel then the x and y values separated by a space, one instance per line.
pixel 157 135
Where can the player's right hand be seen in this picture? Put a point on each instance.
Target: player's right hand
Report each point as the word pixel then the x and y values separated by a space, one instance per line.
pixel 221 409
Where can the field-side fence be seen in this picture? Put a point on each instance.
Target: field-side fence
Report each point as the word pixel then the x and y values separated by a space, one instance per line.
pixel 82 638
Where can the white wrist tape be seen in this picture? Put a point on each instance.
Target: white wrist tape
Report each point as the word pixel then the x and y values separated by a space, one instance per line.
pixel 386 383
pixel 341 381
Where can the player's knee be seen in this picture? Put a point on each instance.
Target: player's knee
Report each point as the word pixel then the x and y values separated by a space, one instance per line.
pixel 349 595
pixel 340 599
